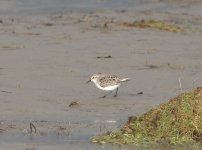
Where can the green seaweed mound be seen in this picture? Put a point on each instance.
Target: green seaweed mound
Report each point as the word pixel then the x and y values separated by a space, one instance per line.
pixel 179 121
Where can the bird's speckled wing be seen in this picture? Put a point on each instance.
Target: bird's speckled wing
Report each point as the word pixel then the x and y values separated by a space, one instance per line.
pixel 108 80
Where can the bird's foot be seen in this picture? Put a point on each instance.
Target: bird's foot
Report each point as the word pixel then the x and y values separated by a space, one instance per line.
pixel 115 95
pixel 103 96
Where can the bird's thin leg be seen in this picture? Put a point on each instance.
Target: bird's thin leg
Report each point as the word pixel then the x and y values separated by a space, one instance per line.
pixel 116 92
pixel 106 94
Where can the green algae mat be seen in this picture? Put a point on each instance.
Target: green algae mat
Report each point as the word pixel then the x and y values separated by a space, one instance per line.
pixel 155 24
pixel 177 122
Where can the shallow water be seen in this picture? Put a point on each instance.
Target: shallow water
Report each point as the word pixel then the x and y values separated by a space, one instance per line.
pixel 30 7
pixel 53 6
pixel 43 72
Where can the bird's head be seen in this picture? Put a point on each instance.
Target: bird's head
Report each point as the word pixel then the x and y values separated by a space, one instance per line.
pixel 93 78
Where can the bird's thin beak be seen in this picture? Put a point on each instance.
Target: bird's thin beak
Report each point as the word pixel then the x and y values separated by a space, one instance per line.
pixel 88 81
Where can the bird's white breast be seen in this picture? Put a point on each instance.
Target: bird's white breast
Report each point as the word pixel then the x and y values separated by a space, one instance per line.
pixel 107 88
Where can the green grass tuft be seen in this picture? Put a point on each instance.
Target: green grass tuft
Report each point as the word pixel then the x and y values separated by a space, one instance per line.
pixel 176 122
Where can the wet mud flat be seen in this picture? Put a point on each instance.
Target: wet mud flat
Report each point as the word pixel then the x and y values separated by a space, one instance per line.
pixel 46 60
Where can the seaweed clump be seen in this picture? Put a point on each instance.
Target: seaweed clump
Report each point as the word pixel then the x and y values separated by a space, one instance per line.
pixel 177 122
pixel 154 24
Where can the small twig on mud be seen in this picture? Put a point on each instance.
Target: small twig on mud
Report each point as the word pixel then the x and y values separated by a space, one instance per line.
pixel 31 125
pixel 182 100
pixel 180 84
pixel 6 91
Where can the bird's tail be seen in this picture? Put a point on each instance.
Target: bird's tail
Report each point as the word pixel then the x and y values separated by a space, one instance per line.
pixel 124 79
